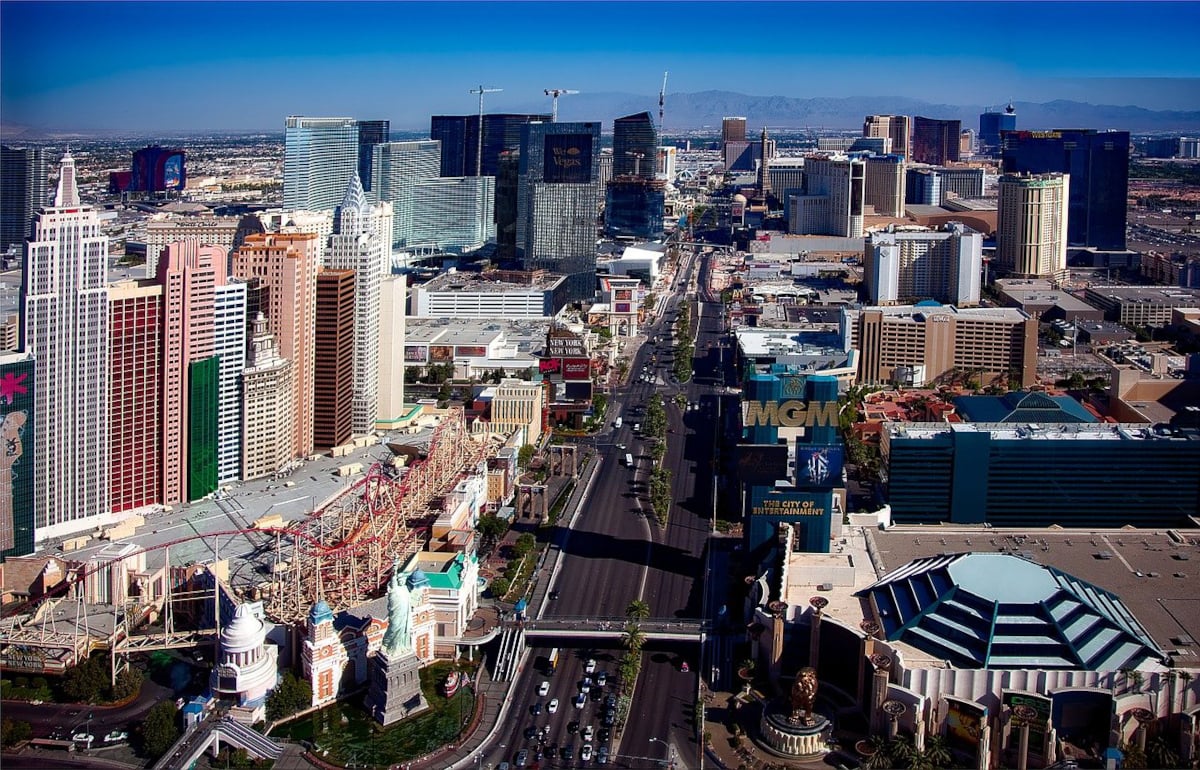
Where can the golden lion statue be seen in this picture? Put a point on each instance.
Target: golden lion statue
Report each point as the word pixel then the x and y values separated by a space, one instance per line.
pixel 804 693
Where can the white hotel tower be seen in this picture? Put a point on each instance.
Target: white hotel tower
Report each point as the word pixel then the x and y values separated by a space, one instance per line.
pixel 66 330
pixel 360 245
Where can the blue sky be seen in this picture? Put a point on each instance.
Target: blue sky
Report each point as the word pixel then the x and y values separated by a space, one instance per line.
pixel 246 65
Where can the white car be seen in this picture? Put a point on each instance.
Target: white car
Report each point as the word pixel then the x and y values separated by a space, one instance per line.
pixel 590 666
pixel 586 754
pixel 588 732
pixel 601 678
pixel 553 707
pixel 544 689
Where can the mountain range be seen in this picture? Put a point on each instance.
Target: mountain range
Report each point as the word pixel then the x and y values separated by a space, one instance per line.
pixel 706 108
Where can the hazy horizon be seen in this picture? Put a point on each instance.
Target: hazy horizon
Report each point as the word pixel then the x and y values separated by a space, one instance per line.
pixel 187 66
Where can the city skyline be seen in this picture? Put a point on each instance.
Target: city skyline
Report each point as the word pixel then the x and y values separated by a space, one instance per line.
pixel 205 58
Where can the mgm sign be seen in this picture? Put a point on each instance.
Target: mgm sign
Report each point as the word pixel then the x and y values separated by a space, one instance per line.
pixel 790 414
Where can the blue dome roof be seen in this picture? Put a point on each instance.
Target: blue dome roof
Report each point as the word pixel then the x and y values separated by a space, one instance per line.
pixel 991 610
pixel 417 579
pixel 320 613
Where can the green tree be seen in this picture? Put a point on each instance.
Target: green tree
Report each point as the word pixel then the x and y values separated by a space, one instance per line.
pixel 129 682
pixel 525 543
pixel 492 527
pixel 292 694
pixel 499 587
pixel 86 682
pixel 525 455
pixel 638 610
pixel 161 729
pixel 14 731
pixel 412 374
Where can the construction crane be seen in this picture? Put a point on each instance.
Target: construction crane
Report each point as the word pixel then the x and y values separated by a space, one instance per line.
pixel 637 161
pixel 662 97
pixel 479 149
pixel 555 93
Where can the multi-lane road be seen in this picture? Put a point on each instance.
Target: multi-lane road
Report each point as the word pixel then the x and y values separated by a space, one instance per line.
pixel 616 552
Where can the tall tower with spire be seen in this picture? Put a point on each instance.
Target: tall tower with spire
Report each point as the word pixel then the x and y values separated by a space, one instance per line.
pixel 764 168
pixel 362 245
pixel 65 324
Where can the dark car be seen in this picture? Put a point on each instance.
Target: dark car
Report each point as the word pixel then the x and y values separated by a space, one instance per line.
pixel 572 727
pixel 522 758
pixel 536 709
pixel 603 734
pixel 567 753
pixel 530 733
pixel 554 595
pixel 610 701
pixel 610 717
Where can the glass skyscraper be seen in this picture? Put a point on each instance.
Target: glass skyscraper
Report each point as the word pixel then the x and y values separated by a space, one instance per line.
pixel 635 146
pixel 558 202
pixel 397 168
pixel 319 156
pixel 459 135
pixel 22 192
pixel 370 133
pixel 991 126
pixel 1098 163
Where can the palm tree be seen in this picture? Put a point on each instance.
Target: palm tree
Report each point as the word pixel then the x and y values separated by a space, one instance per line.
pixel 937 751
pixel 1160 753
pixel 637 610
pixel 1186 678
pixel 633 639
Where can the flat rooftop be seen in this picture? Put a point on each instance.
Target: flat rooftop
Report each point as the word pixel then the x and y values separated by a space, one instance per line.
pixel 917 313
pixel 1153 573
pixel 1157 294
pixel 476 282
pixel 1131 431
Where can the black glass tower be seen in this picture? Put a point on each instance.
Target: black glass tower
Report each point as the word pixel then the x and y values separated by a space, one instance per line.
pixel 459 135
pixel 22 192
pixel 1098 163
pixel 992 125
pixel 370 133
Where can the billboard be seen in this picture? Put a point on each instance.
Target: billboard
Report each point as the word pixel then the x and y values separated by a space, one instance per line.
pixel 625 295
pixel 819 466
pixel 1037 727
pixel 576 369
pixel 16 461
pixel 568 158
pixel 762 463
pixel 623 307
pixel 965 721
pixel 549 365
pixel 417 354
pixel 441 353
pixel 1084 715
pixel 789 504
pixel 566 347
pixel 471 351
pixel 578 391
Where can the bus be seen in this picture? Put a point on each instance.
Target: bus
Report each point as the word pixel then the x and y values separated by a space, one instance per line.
pixel 553 661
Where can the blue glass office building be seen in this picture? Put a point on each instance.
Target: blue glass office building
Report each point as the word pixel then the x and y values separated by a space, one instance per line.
pixel 991 126
pixel 1035 475
pixel 459 135
pixel 1098 163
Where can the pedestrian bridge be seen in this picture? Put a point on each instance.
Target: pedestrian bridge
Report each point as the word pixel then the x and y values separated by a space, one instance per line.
pixel 209 735
pixel 612 629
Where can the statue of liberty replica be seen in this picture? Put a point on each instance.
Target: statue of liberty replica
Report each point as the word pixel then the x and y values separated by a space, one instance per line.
pixel 394 691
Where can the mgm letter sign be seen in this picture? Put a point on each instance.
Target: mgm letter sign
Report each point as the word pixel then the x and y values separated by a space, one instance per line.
pixel 790 414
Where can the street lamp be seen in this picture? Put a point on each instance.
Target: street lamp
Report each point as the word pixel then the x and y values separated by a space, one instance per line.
pixel 670 751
